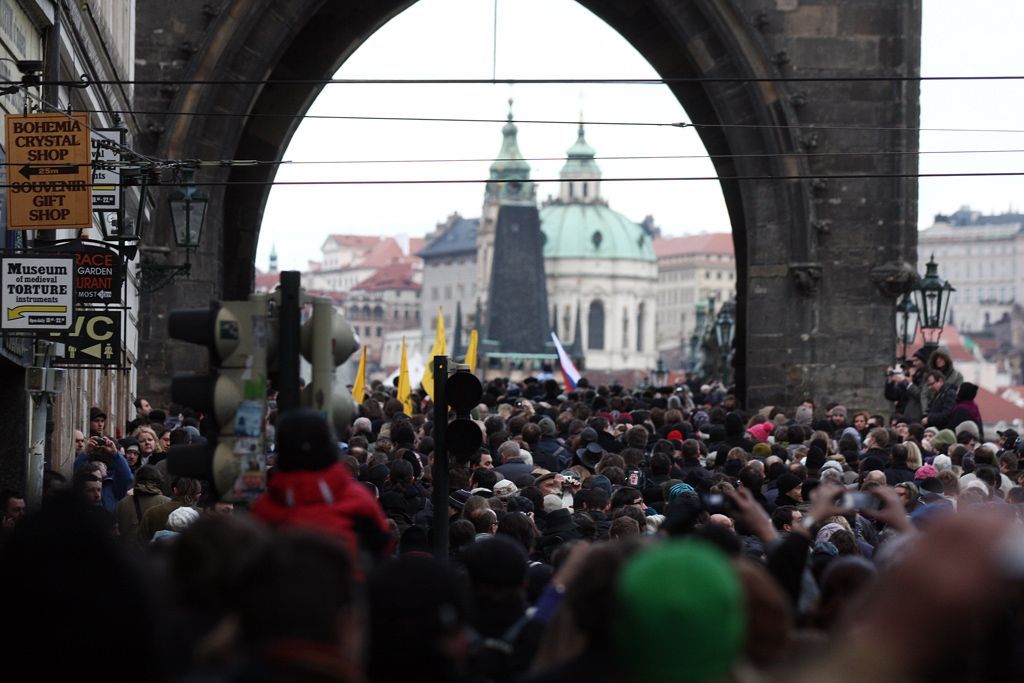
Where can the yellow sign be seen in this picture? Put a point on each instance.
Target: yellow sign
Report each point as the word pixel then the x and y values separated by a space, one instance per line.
pixel 49 176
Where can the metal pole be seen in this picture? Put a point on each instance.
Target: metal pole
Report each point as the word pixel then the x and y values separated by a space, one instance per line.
pixel 439 494
pixel 42 383
pixel 288 341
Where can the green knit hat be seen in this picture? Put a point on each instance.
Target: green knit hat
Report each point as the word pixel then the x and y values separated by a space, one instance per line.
pixel 943 440
pixel 681 616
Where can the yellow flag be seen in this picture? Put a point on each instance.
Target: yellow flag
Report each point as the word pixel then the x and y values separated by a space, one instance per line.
pixel 438 349
pixel 404 391
pixel 471 352
pixel 359 388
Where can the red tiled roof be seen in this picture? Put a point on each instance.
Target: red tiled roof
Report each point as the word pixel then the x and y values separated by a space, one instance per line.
pixel 335 296
pixel 394 276
pixel 365 241
pixel 384 252
pixel 714 243
pixel 995 408
pixel 417 244
pixel 268 280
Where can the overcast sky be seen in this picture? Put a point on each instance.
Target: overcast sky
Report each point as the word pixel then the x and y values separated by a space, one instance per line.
pixel 561 39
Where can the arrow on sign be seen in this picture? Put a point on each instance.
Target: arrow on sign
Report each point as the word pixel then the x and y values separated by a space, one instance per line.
pixel 93 350
pixel 20 311
pixel 29 171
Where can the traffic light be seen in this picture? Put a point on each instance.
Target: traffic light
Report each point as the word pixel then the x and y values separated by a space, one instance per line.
pixel 462 435
pixel 327 340
pixel 235 333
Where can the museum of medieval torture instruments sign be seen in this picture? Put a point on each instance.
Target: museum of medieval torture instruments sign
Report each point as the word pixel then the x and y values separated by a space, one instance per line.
pixel 38 293
pixel 49 178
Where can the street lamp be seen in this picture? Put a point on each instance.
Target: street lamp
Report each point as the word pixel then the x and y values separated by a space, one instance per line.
pixel 932 294
pixel 188 211
pixel 906 323
pixel 660 374
pixel 187 207
pixel 725 330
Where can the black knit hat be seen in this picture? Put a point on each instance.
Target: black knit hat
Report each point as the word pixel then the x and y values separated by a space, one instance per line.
pixel 304 441
pixel 497 561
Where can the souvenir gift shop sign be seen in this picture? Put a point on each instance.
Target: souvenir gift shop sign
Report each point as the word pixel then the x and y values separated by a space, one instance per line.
pixel 50 177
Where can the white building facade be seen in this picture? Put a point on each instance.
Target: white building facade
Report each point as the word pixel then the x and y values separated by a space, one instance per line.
pixel 983 258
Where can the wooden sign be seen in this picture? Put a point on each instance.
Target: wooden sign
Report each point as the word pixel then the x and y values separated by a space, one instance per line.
pixel 50 178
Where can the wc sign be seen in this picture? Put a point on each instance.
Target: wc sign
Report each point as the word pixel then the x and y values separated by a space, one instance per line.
pixel 93 339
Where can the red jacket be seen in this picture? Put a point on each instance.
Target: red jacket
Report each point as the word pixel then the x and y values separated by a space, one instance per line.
pixel 328 501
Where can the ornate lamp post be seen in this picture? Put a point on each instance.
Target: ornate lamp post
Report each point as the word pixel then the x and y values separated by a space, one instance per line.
pixel 188 211
pixel 660 374
pixel 932 296
pixel 906 323
pixel 187 207
pixel 725 330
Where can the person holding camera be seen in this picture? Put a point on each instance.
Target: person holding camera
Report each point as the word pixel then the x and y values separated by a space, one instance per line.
pixel 119 478
pixel 904 387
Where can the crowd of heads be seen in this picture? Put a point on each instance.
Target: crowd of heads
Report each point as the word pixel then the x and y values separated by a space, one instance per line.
pixel 605 533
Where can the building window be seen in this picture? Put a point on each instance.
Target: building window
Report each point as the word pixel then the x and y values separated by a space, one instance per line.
pixel 595 326
pixel 378 313
pixel 447 292
pixel 433 293
pixel 640 327
pixel 378 330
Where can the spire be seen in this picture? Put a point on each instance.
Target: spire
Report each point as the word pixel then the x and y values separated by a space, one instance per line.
pixel 511 169
pixel 581 176
pixel 273 258
pixel 576 348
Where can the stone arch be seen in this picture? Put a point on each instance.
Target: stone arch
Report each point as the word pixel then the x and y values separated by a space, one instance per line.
pixel 784 225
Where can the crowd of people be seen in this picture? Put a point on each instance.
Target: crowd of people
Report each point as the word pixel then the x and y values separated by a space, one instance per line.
pixel 599 534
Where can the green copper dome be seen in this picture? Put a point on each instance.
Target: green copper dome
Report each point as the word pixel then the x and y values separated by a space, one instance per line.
pixel 592 231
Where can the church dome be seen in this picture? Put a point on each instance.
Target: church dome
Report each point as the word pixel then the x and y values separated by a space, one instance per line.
pixel 592 231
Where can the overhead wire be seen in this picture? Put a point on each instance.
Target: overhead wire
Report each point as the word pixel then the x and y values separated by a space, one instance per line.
pixel 656 124
pixel 465 181
pixel 668 80
pixel 478 160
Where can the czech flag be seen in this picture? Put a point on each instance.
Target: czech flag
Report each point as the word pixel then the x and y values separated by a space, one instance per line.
pixel 569 372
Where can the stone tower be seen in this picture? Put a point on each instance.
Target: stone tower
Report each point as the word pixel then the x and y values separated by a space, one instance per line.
pixel 517 301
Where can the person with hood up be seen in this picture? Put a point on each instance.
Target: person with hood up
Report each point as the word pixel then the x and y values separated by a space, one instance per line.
pixel 941 360
pixel 311 489
pixel 966 409
pixel 735 436
pixel 147 493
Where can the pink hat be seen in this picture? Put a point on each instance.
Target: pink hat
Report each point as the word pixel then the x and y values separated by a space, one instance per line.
pixel 762 431
pixel 925 471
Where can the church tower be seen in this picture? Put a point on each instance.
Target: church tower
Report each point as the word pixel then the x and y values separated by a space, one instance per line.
pixel 581 176
pixel 509 184
pixel 513 254
pixel 273 258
